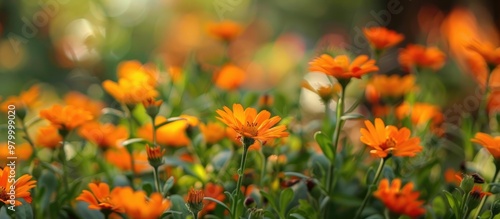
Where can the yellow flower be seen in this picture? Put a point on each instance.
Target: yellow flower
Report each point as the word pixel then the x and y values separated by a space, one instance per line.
pixel 325 92
pixel 172 134
pixel 129 91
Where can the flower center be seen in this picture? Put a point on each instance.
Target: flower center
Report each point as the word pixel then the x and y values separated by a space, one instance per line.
pixel 389 144
pixel 250 129
pixel 3 194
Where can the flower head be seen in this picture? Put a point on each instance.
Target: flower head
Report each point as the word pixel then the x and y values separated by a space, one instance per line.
pixel 325 92
pixel 490 54
pixel 341 66
pixel 120 157
pixel 381 37
pixel 27 99
pixel 250 124
pixel 225 30
pixel 194 200
pixel 155 155
pixel 48 136
pixel 394 85
pixel 389 140
pixel 103 135
pixel 230 77
pixel 492 144
pixel 419 56
pixel 172 134
pixel 83 102
pixel 420 113
pixel 99 198
pixel 214 191
pixel 213 132
pixel 129 91
pixel 21 187
pixel 136 204
pixel 399 200
pixel 66 117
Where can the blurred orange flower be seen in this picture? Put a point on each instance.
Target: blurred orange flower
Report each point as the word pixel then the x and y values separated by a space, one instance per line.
pixel 121 159
pixel 134 70
pixel 394 85
pixel 487 51
pixel 419 56
pixel 492 144
pixel 27 99
pixel 21 186
pixel 247 123
pixel 103 135
pixel 83 102
pixel 478 194
pixel 230 77
pixel 450 176
pixel 137 204
pixel 48 136
pixel 67 117
pixel 325 92
pixel 23 152
pixel 400 200
pixel 341 66
pixel 214 191
pixel 225 30
pixel 99 197
pixel 381 37
pixel 175 73
pixel 130 91
pixel 172 134
pixel 213 132
pixel 420 113
pixel 388 140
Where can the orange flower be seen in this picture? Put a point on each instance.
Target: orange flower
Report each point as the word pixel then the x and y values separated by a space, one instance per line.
pixel 388 140
pixel 225 30
pixel 382 38
pixel 230 77
pixel 136 204
pixel 67 117
pixel 23 152
pixel 48 136
pixel 394 85
pixel 494 101
pixel 130 91
pixel 420 113
pixel 399 200
pixel 235 138
pixel 175 73
pixel 83 102
pixel 172 134
pixel 214 191
pixel 266 100
pixel 27 99
pixel 134 70
pixel 341 66
pixel 99 198
pixel 121 159
pixel 247 123
pixel 450 176
pixel 213 132
pixel 419 56
pixel 194 200
pixel 492 144
pixel 325 92
pixel 103 135
pixel 487 51
pixel 477 193
pixel 21 187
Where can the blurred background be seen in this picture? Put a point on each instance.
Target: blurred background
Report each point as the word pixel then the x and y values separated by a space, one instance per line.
pixel 75 45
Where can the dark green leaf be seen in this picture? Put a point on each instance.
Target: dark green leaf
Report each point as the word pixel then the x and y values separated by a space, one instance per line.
pixel 169 120
pixel 325 144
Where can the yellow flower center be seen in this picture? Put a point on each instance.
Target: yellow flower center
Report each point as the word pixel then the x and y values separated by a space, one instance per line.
pixel 250 129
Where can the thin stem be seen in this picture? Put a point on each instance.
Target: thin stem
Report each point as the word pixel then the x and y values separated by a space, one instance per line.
pixel 129 147
pixel 195 215
pixel 482 113
pixel 154 130
pixel 336 136
pixel 370 188
pixel 157 179
pixel 240 181
pixel 24 128
pixel 264 167
pixel 483 200
pixel 64 164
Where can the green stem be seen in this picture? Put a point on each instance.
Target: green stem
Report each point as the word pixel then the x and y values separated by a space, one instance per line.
pixel 154 130
pixel 157 179
pixel 64 165
pixel 482 113
pixel 195 215
pixel 24 128
pixel 483 200
pixel 129 147
pixel 336 136
pixel 240 181
pixel 264 166
pixel 370 188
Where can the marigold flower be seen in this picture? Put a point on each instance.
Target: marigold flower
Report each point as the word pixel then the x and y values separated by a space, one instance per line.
pixel 27 99
pixel 83 102
pixel 419 56
pixel 420 113
pixel 490 54
pixel 22 187
pixel 230 77
pixel 155 155
pixel 214 191
pixel 247 123
pixel 236 139
pixel 120 157
pixel 394 85
pixel 225 30
pixel 492 144
pixel 67 117
pixel 213 132
pixel 399 200
pixel 450 176
pixel 381 37
pixel 325 92
pixel 134 70
pixel 99 198
pixel 477 193
pixel 23 152
pixel 172 134
pixel 136 204
pixel 194 200
pixel 48 136
pixel 129 91
pixel 103 135
pixel 341 66
pixel 388 140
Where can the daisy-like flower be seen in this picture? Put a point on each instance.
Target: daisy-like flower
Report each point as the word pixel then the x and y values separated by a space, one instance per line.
pixel 213 132
pixel 27 99
pixel 341 66
pixel 194 201
pixel 48 136
pixel 394 85
pixel 130 91
pixel 66 117
pixel 99 198
pixel 103 135
pixel 382 38
pixel 136 204
pixel 214 191
pixel 389 140
pixel 22 187
pixel 225 30
pixel 490 54
pixel 403 201
pixel 250 124
pixel 155 155
pixel 84 102
pixel 492 144
pixel 325 92
pixel 419 56
pixel 420 113
pixel 172 134
pixel 230 77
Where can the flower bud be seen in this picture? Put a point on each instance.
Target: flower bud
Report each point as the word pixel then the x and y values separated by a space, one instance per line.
pixel 152 107
pixel 249 202
pixel 467 183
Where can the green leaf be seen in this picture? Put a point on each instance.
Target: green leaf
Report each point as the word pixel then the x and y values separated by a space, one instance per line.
pixel 168 185
pixel 270 199
pixel 325 144
pixel 486 215
pixel 24 210
pixel 286 197
pixel 169 120
pixel 353 116
pixel 454 205
pixel 148 188
pixel 114 112
pixel 220 159
pixel 218 202
pixel 353 106
pixel 49 183
pixel 178 205
pixel 133 141
pixel 82 209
